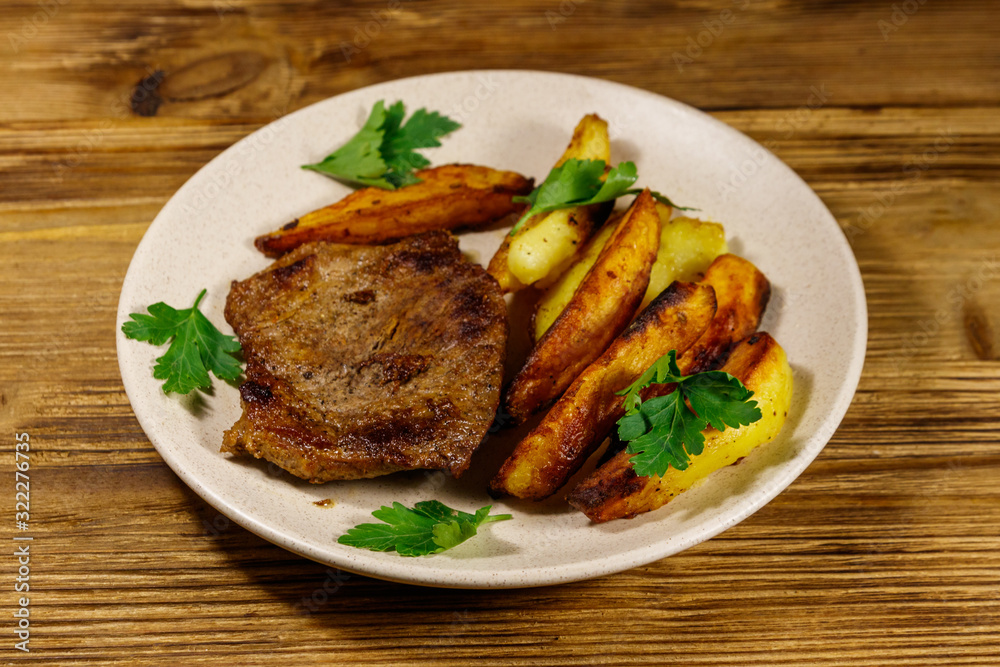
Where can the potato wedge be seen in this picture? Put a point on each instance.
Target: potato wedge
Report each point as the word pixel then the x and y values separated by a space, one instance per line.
pixel 450 196
pixel 614 490
pixel 546 243
pixel 558 295
pixel 599 310
pixel 499 270
pixel 580 420
pixel 687 248
pixel 742 293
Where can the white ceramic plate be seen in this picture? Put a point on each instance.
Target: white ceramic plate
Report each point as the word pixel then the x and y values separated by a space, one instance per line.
pixel 520 121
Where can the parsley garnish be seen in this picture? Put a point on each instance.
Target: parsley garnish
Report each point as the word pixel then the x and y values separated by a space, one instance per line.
pixel 429 528
pixel 665 431
pixel 579 183
pixel 197 346
pixel 383 153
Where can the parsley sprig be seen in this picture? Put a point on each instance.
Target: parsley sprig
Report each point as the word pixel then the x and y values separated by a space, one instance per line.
pixel 196 346
pixel 429 528
pixel 383 152
pixel 580 183
pixel 667 430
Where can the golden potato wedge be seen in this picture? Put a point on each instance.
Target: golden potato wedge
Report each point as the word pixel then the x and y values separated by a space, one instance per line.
pixel 614 490
pixel 545 249
pixel 687 248
pixel 450 196
pixel 554 300
pixel 546 243
pixel 499 270
pixel 580 420
pixel 590 141
pixel 599 310
pixel 742 293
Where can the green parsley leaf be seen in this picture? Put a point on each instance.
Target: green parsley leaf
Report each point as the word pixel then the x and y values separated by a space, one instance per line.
pixel 359 161
pixel 197 348
pixel 429 528
pixel 579 183
pixel 721 399
pixel 663 371
pixel 663 199
pixel 399 146
pixel 576 183
pixel 665 431
pixel 383 153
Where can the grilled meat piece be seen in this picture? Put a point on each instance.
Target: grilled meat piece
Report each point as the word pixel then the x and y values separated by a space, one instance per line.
pixel 365 360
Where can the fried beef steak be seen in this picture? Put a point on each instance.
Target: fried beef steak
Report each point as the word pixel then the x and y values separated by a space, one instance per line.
pixel 366 360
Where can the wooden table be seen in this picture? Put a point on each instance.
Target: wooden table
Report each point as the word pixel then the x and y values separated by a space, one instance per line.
pixel 885 552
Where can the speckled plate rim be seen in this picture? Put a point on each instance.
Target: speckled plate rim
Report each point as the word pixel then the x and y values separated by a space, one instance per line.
pixel 764 477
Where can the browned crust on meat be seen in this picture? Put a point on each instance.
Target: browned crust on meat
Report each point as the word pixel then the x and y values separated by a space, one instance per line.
pixel 365 360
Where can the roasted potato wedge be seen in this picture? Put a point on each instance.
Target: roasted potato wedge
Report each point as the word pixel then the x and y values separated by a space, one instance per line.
pixel 614 491
pixel 742 293
pixel 580 420
pixel 599 310
pixel 554 300
pixel 687 248
pixel 450 196
pixel 547 242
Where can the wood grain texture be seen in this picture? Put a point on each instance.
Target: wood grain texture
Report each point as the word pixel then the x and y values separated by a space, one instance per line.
pixel 885 552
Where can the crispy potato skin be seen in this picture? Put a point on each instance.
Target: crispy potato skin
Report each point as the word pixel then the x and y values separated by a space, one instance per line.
pixel 742 293
pixel 599 310
pixel 687 248
pixel 546 242
pixel 498 265
pixel 580 420
pixel 614 491
pixel 590 141
pixel 450 196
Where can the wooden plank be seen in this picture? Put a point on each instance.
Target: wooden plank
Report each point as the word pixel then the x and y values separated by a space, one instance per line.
pixel 761 54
